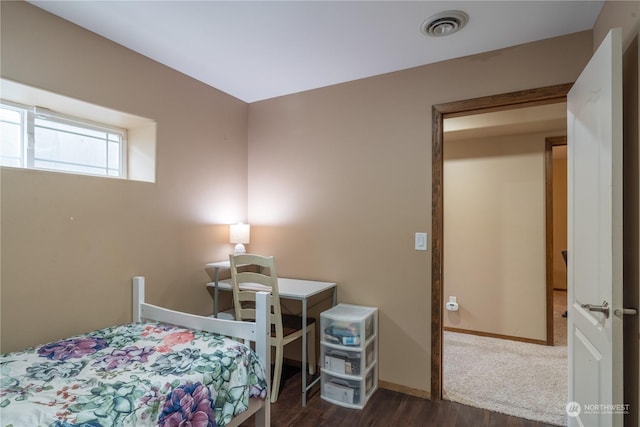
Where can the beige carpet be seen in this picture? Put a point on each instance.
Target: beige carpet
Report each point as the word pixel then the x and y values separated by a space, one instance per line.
pixel 515 378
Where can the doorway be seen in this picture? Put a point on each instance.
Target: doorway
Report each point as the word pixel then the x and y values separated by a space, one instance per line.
pixel 497 343
pixel 497 233
pixel 548 95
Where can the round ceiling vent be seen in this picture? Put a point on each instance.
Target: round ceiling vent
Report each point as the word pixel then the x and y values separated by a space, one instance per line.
pixel 444 23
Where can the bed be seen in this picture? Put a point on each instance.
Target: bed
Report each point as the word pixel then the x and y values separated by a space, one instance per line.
pixel 165 369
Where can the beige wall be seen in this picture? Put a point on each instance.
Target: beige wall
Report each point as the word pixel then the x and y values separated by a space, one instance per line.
pixel 70 244
pixel 494 234
pixel 340 180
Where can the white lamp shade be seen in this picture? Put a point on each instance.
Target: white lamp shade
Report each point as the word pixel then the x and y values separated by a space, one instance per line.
pixel 239 233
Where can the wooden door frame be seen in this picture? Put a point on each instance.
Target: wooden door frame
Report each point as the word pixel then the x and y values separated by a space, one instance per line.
pixel 549 143
pixel 526 98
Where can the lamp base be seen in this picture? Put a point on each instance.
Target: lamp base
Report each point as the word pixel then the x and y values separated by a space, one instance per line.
pixel 239 249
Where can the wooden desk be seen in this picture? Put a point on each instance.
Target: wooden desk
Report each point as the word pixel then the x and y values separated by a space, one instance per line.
pixel 294 289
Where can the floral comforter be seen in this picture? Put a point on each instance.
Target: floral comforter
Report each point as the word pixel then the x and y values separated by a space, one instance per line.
pixel 140 374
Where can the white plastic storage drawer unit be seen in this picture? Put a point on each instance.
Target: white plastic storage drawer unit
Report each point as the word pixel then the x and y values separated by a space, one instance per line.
pixel 349 354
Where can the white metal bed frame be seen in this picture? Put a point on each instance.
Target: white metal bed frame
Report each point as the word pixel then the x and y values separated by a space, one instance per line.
pixel 258 332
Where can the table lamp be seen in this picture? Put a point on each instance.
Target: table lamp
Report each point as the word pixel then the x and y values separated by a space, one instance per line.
pixel 239 234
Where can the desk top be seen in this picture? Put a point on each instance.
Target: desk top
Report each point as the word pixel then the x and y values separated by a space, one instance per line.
pixel 288 288
pixel 219 264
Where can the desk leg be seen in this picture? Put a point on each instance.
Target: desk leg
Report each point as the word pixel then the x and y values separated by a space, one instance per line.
pixel 304 352
pixel 215 292
pixel 306 387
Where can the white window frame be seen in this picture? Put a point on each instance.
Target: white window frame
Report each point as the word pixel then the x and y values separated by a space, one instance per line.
pixel 23 119
pixel 28 118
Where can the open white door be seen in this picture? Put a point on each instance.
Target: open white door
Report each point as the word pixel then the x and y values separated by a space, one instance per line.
pixel 594 143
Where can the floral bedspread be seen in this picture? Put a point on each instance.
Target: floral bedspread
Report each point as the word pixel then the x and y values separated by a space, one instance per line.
pixel 140 374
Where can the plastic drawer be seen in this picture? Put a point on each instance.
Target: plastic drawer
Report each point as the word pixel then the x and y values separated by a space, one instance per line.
pixel 341 390
pixel 341 361
pixel 348 325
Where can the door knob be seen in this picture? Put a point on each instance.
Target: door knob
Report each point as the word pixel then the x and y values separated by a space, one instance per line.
pixel 604 308
pixel 621 312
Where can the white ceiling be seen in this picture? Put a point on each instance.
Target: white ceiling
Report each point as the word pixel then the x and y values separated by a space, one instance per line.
pixel 256 50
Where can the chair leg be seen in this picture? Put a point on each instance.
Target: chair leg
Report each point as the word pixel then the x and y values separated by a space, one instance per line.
pixel 277 373
pixel 311 349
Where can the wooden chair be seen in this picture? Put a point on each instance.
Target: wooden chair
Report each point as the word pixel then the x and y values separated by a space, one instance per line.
pixel 285 328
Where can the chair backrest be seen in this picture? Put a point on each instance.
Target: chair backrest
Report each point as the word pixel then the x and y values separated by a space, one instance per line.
pixel 249 274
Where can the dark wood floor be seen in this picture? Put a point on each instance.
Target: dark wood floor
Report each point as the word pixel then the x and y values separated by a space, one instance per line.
pixel 385 408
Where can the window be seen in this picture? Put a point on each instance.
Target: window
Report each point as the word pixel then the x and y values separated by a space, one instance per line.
pixel 73 136
pixel 36 138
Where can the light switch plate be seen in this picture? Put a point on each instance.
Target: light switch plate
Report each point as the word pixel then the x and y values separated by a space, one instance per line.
pixel 421 241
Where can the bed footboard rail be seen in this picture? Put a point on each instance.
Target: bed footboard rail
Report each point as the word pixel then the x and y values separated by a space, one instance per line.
pixel 254 331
